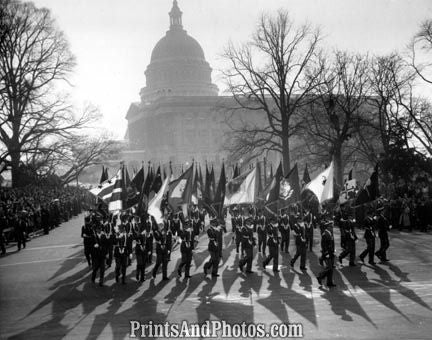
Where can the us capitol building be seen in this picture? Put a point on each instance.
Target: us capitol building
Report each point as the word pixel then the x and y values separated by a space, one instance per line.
pixel 179 116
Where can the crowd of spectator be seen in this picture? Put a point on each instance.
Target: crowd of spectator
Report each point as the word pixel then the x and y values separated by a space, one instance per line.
pixel 409 204
pixel 33 208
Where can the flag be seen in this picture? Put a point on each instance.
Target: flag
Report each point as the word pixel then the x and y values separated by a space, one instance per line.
pixel 148 182
pixel 116 200
pixel 154 206
pixel 212 186
pixel 131 194
pixel 236 172
pixel 157 183
pixel 200 188
pixel 218 201
pixel 348 192
pixel 322 185
pixel 260 186
pixel 104 190
pixel 306 177
pixel 138 180
pixel 195 187
pixel 103 178
pixel 289 188
pixel 370 191
pixel 106 173
pixel 242 189
pixel 272 196
pixel 180 190
pixel 350 175
pixel 207 185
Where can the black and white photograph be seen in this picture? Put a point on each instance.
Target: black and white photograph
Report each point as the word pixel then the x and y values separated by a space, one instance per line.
pixel 230 169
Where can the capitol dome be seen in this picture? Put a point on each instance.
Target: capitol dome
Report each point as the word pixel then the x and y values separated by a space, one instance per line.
pixel 177 44
pixel 177 66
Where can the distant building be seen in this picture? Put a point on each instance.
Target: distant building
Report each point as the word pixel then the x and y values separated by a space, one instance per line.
pixel 180 116
pixel 177 118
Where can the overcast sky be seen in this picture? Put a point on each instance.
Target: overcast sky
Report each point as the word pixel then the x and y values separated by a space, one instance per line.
pixel 113 39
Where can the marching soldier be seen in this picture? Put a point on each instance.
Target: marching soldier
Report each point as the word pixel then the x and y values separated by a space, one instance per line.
pixel 285 230
pixel 87 236
pixel 369 236
pixel 197 225
pixel 299 232
pixel 186 249
pixel 383 228
pixel 213 248
pixel 176 222
pixel 248 242
pixel 162 253
pixel 100 250
pixel 194 213
pixel 127 220
pixel 141 255
pixel 202 214
pixel 149 246
pixel 273 245
pixel 221 229
pixel 350 239
pixel 309 223
pixel 234 220
pixel 110 235
pixel 148 224
pixel 238 220
pixel 169 241
pixel 261 231
pixel 327 255
pixel 121 254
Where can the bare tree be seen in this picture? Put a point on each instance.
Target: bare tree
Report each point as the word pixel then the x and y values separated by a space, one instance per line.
pixel 274 73
pixel 34 58
pixel 422 42
pixel 83 152
pixel 339 109
pixel 404 119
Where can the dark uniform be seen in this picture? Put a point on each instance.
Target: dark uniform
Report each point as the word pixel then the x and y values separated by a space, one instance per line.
pixel 382 226
pixel 248 242
pixel 162 254
pixel 99 253
pixel 197 225
pixel 141 256
pixel 300 239
pixel 202 214
pixel 121 254
pixel 369 236
pixel 273 245
pixel 213 248
pixel 309 222
pixel 327 256
pixel 262 233
pixel 186 249
pixel 149 246
pixel 176 224
pixel 238 236
pixel 350 239
pixel 285 231
pixel 110 234
pixel 221 230
pixel 87 235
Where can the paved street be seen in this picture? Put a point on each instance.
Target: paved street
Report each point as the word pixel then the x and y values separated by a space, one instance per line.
pixel 46 293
